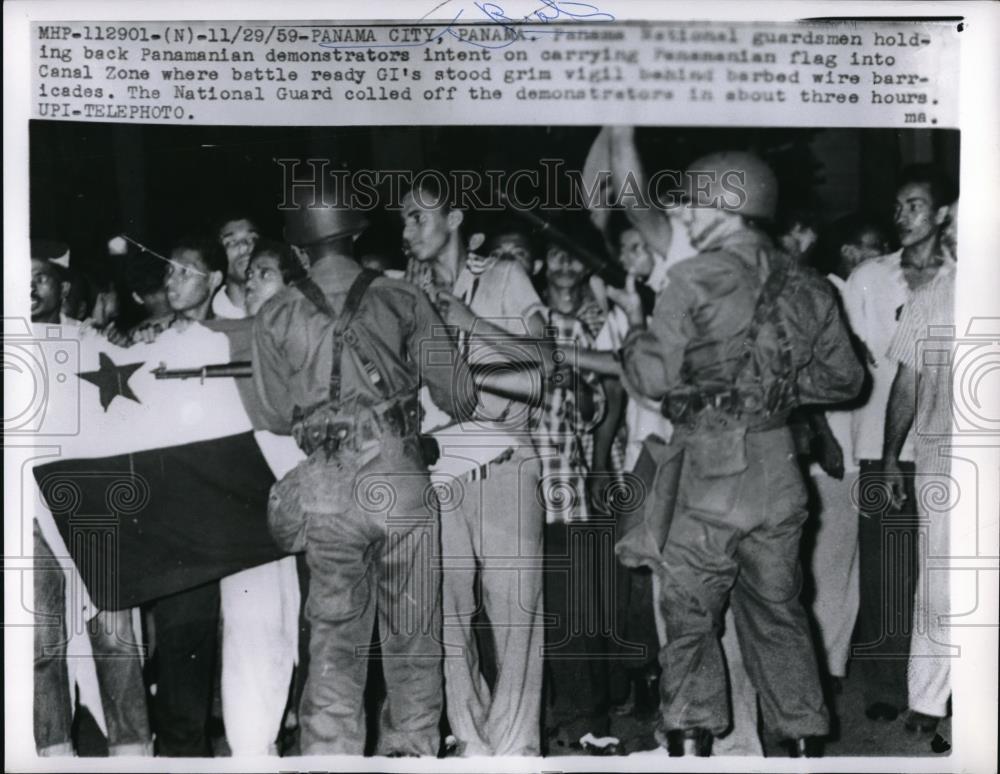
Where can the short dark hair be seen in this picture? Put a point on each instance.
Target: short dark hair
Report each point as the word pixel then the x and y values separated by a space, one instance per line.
pixel 941 185
pixel 505 223
pixel 228 216
pixel 787 218
pixel 433 184
pixel 290 266
pixel 144 274
pixel 845 230
pixel 80 296
pixel 212 257
pixel 59 272
pixel 618 224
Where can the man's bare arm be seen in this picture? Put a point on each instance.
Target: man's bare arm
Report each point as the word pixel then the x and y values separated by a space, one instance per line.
pixel 898 421
pixel 626 167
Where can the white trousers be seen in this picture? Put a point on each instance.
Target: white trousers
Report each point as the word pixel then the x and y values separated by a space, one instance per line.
pixel 260 633
pixel 835 568
pixel 260 641
pixel 928 672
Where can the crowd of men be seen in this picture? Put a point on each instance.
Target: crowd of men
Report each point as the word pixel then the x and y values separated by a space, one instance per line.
pixel 770 389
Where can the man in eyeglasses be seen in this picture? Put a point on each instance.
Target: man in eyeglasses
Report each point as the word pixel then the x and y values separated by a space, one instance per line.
pixel 187 623
pixel 195 273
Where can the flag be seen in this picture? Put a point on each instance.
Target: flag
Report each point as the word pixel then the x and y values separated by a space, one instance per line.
pixel 159 485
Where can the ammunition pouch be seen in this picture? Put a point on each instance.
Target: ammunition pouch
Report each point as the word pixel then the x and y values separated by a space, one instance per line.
pixel 332 429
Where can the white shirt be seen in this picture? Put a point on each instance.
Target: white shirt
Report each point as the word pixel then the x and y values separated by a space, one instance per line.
pixel 224 308
pixel 874 298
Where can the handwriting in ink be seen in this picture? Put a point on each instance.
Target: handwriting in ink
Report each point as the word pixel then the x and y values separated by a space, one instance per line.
pixel 548 12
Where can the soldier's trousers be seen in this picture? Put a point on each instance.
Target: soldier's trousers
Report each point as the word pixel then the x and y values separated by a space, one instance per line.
pixel 738 536
pixel 366 522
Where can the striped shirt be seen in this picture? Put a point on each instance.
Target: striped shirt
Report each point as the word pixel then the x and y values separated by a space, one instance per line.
pixel 924 341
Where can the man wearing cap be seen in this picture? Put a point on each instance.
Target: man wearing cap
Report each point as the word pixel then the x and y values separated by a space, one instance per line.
pixel 739 336
pixel 338 359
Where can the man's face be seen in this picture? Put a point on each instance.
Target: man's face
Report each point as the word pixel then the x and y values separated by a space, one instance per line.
pixel 635 256
pixel 426 230
pixel 563 270
pixel 46 291
pixel 915 216
pixel 869 245
pixel 798 240
pixel 703 224
pixel 189 283
pixel 238 238
pixel 515 246
pixel 263 281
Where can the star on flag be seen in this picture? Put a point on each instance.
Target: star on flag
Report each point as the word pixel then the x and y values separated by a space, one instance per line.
pixel 112 380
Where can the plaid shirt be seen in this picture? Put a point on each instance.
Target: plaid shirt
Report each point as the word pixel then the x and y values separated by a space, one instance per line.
pixel 564 438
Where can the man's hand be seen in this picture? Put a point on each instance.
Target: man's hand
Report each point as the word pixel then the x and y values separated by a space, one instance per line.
pixel 894 478
pixel 147 333
pixel 597 487
pixel 628 299
pixel 830 456
pixel 621 132
pixel 868 355
pixel 454 311
pixel 118 337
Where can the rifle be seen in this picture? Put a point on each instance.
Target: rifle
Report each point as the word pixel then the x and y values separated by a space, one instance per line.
pixel 239 370
pixel 610 272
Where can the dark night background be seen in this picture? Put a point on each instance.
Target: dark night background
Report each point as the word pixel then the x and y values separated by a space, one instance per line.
pixel 89 181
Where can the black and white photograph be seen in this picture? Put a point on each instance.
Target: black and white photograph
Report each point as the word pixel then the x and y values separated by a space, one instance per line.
pixel 554 423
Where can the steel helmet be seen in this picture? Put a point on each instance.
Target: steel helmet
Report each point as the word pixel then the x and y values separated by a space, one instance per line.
pixel 735 181
pixel 323 213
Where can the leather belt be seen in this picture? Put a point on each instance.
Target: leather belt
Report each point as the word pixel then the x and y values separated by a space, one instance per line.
pixel 732 407
pixel 330 429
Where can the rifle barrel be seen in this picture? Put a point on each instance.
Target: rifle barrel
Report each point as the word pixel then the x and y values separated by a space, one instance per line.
pixel 237 369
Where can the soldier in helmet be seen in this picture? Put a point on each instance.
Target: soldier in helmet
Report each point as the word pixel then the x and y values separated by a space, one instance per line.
pixel 338 360
pixel 739 336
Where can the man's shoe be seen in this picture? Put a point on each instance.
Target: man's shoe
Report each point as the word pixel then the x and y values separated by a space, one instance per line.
pixel 881 710
pixel 686 742
pixel 805 747
pixel 919 723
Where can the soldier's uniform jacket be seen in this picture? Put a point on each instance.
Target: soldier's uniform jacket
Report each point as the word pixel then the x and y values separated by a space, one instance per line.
pixel 393 332
pixel 697 334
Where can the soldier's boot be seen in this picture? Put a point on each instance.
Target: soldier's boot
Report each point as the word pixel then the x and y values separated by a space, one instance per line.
pixel 686 742
pixel 805 747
